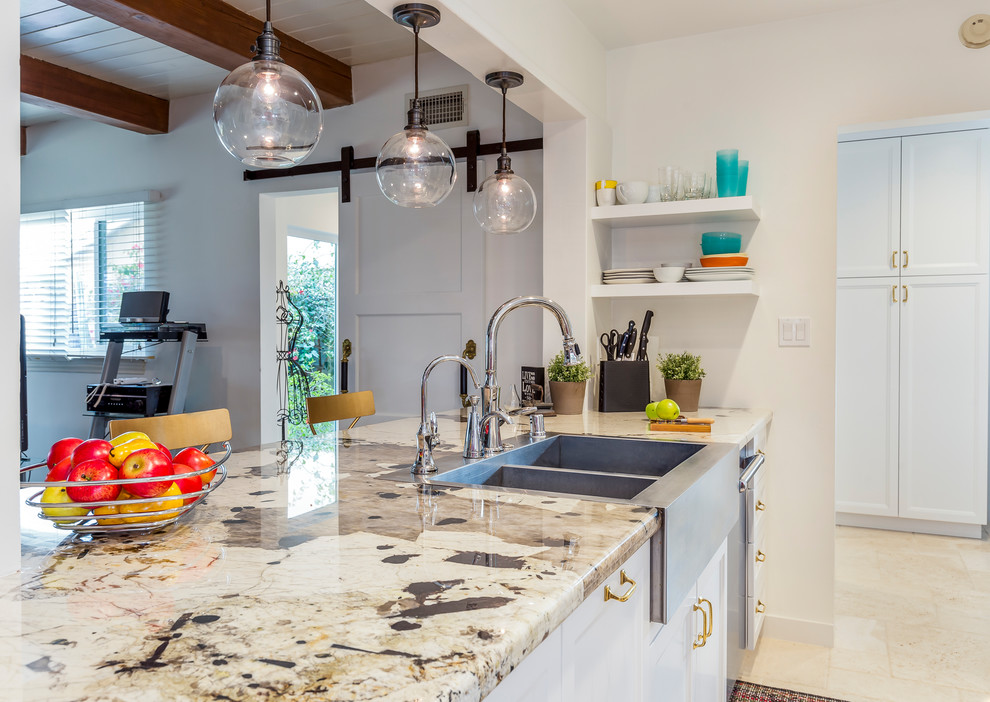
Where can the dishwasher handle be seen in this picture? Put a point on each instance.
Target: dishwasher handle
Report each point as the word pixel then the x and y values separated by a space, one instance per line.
pixel 752 465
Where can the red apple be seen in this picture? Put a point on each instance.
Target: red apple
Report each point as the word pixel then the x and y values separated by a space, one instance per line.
pixel 61 470
pixel 164 449
pixel 147 463
pixel 60 450
pixel 90 449
pixel 197 460
pixel 193 483
pixel 94 469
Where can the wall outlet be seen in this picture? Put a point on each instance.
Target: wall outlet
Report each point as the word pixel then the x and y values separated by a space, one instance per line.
pixel 793 331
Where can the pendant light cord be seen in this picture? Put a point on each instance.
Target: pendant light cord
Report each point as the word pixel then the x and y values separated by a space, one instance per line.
pixel 415 63
pixel 504 89
pixel 268 10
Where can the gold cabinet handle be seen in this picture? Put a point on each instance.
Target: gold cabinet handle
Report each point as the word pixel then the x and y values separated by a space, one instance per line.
pixel 893 259
pixel 760 607
pixel 703 636
pixel 904 262
pixel 711 618
pixel 760 557
pixel 623 580
pixel 893 293
pixel 905 293
pixel 760 507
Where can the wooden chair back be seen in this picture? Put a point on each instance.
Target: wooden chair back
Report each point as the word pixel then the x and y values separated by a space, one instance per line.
pixel 179 430
pixel 329 408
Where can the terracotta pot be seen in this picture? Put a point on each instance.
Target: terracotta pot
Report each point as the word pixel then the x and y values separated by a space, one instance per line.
pixel 684 392
pixel 568 398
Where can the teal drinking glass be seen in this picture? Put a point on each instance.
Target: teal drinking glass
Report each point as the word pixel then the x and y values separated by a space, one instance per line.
pixel 742 177
pixel 727 171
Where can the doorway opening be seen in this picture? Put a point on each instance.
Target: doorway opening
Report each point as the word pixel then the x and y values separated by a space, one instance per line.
pixel 311 278
pixel 298 247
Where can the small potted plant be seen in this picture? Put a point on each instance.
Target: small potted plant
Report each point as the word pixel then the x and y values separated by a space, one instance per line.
pixel 567 385
pixel 682 374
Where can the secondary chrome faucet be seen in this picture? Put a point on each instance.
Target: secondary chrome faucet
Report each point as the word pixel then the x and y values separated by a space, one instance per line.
pixel 428 437
pixel 491 429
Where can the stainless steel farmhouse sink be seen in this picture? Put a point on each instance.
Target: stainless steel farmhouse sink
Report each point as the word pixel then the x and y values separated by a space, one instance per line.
pixel 589 466
pixel 694 486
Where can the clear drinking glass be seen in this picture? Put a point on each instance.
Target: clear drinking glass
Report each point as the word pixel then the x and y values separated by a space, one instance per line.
pixel 694 185
pixel 669 179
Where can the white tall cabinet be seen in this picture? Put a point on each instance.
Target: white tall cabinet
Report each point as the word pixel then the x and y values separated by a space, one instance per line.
pixel 911 332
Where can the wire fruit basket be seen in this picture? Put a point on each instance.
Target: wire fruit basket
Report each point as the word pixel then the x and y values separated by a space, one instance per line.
pixel 140 515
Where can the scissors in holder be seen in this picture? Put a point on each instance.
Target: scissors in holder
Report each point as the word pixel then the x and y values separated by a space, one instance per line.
pixel 610 340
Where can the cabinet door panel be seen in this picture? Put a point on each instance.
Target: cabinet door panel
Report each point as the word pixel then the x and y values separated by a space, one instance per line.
pixel 868 224
pixel 709 665
pixel 602 647
pixel 668 661
pixel 945 208
pixel 943 406
pixel 866 395
pixel 536 679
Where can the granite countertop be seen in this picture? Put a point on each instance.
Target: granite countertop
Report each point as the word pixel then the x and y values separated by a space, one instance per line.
pixel 305 576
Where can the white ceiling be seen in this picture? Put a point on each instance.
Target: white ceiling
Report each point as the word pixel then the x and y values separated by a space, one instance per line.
pixel 349 30
pixel 353 32
pixel 623 23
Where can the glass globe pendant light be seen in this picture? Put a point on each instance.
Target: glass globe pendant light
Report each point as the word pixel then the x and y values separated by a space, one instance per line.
pixel 415 168
pixel 504 202
pixel 265 112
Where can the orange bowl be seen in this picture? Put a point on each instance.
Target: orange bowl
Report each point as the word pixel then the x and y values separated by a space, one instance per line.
pixel 718 260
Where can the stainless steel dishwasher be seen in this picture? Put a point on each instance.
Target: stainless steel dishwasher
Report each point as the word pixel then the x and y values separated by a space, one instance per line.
pixel 745 559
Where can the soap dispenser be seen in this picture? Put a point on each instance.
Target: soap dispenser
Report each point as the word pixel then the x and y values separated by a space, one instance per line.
pixel 472 435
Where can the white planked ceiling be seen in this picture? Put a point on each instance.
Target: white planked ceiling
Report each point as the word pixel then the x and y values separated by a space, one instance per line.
pixel 624 23
pixel 349 30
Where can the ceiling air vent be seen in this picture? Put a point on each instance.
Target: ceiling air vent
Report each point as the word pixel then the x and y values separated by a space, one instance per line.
pixel 446 107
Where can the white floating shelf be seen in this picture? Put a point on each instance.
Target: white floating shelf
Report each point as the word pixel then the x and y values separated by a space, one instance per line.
pixel 653 214
pixel 682 289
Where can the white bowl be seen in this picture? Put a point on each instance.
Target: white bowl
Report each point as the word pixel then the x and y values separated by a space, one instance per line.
pixel 669 274
pixel 632 192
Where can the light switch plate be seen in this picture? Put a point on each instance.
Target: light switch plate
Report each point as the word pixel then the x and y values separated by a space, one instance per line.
pixel 793 331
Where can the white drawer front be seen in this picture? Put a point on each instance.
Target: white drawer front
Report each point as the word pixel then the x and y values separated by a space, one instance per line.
pixel 755 614
pixel 756 561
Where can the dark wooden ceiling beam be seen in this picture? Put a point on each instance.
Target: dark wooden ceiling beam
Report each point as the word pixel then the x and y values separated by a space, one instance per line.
pixel 218 33
pixel 80 95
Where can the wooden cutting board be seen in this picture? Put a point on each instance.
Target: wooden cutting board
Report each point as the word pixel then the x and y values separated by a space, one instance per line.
pixel 673 426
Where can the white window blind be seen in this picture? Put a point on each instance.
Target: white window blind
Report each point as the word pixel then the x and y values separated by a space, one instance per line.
pixel 75 263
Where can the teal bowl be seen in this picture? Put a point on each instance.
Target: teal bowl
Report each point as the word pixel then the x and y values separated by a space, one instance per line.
pixel 720 243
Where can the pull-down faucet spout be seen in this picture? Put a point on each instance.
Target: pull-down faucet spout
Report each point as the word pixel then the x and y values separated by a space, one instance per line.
pixel 491 438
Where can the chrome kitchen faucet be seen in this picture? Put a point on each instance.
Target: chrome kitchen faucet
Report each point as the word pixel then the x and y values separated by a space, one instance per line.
pixel 428 437
pixel 494 417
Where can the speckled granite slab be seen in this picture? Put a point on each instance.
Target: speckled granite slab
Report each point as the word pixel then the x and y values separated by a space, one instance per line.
pixel 324 583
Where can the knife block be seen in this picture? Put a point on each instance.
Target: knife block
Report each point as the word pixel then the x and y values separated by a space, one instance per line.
pixel 623 386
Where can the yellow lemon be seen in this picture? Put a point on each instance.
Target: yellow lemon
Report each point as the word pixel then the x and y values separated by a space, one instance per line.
pixel 127 436
pixel 120 452
pixel 149 511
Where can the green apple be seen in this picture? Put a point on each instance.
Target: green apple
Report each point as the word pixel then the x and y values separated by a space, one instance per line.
pixel 668 410
pixel 651 411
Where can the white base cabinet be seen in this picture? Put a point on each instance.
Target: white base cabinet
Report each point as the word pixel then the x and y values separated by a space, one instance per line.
pixel 608 649
pixel 686 658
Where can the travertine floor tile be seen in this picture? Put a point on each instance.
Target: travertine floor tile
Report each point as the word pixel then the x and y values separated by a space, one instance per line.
pixel 912 623
pixel 793 663
pixel 952 658
pixel 848 685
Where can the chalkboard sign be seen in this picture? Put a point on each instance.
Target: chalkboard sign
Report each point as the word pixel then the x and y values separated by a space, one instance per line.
pixel 533 381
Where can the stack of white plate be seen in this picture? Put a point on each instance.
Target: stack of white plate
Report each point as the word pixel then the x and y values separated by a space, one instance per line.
pixel 627 276
pixel 719 273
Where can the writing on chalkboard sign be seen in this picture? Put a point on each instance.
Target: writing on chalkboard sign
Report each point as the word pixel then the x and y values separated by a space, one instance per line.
pixel 533 381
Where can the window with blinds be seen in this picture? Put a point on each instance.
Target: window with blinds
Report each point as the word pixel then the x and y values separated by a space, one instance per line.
pixel 74 265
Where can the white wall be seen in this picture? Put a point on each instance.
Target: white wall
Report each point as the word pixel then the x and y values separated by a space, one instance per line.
pixel 9 321
pixel 780 93
pixel 211 252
